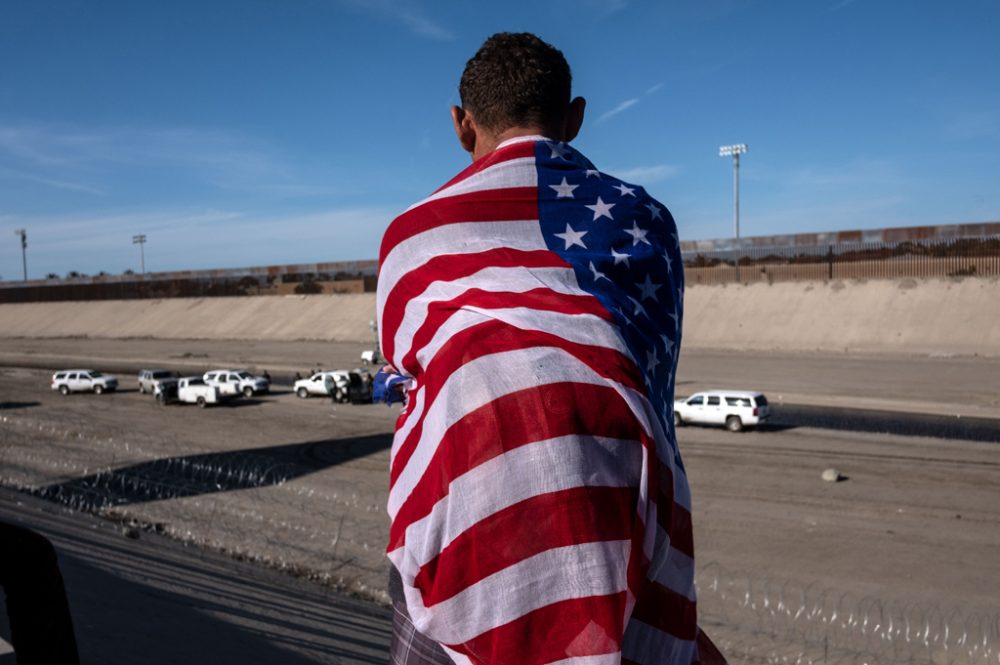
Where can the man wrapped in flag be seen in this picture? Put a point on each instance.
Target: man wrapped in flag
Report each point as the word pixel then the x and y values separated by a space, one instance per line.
pixel 540 511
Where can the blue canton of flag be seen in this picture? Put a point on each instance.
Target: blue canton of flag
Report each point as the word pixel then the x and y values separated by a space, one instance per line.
pixel 624 249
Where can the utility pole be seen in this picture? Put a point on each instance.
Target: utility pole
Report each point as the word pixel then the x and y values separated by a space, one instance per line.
pixel 735 150
pixel 141 241
pixel 24 250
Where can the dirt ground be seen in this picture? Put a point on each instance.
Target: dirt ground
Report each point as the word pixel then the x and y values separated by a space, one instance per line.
pixel 301 484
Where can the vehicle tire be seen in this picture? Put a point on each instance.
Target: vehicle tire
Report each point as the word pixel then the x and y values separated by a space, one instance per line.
pixel 98 389
pixel 64 390
pixel 302 393
pixel 734 424
pixel 677 420
pixel 248 392
pixel 201 402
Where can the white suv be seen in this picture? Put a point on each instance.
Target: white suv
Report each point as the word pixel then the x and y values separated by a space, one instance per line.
pixel 83 380
pixel 735 409
pixel 231 382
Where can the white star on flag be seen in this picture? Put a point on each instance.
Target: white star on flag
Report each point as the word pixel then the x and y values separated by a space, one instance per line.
pixel 654 210
pixel 625 190
pixel 620 258
pixel 564 190
pixel 621 313
pixel 602 209
pixel 572 237
pixel 668 344
pixel 639 309
pixel 638 235
pixel 559 150
pixel 675 315
pixel 651 360
pixel 649 289
pixel 597 273
pixel 670 264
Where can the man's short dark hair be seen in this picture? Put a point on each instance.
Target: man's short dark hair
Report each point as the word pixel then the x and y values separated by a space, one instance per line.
pixel 516 80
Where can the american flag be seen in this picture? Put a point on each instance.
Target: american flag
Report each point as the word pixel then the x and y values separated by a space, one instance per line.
pixel 540 511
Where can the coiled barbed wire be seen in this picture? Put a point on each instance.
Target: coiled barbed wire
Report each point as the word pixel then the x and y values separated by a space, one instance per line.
pixel 199 499
pixel 760 620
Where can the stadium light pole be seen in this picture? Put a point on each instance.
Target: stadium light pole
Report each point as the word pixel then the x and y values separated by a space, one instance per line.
pixel 24 250
pixel 141 241
pixel 735 150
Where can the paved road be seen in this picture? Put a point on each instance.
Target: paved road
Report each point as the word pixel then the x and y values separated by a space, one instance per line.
pixel 953 428
pixel 152 600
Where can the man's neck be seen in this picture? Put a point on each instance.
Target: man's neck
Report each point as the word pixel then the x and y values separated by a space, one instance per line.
pixel 487 144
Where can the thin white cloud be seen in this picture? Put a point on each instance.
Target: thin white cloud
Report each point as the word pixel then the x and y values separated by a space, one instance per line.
pixel 628 103
pixel 180 239
pixel 11 174
pixel 72 159
pixel 408 14
pixel 643 175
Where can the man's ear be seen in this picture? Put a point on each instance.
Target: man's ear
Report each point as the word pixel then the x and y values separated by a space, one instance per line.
pixel 574 118
pixel 465 128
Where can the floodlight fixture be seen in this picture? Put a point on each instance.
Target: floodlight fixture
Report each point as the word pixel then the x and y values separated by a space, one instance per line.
pixel 141 241
pixel 735 150
pixel 24 250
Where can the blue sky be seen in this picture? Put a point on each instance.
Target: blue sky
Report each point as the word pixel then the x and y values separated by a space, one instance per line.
pixel 247 132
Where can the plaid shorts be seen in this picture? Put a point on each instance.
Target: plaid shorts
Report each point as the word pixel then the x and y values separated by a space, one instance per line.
pixel 408 646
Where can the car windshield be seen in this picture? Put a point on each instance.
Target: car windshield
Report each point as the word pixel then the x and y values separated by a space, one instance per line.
pixel 93 375
pixel 196 382
pixel 244 375
pixel 162 375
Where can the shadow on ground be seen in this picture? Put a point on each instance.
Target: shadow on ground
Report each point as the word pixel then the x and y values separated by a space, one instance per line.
pixel 209 473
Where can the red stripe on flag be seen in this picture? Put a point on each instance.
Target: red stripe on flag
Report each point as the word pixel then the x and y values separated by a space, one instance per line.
pixel 493 205
pixel 667 610
pixel 509 536
pixel 580 627
pixel 497 337
pixel 450 268
pixel 541 299
pixel 676 520
pixel 544 412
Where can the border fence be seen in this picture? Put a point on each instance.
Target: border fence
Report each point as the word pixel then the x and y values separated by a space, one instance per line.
pixel 968 250
pixel 310 278
pixel 961 250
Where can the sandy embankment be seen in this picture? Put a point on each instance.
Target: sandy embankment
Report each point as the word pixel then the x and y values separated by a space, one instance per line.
pixel 923 317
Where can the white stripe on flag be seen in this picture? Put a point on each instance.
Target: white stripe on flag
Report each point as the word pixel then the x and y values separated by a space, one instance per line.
pixel 538 468
pixel 491 279
pixel 671 567
pixel 454 239
pixel 579 328
pixel 552 576
pixel 518 172
pixel 483 380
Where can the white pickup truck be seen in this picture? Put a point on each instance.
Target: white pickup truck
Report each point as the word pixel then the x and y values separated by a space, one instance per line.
pixel 232 382
pixel 190 390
